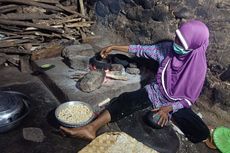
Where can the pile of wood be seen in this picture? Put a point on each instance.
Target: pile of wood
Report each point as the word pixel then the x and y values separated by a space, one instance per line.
pixel 27 24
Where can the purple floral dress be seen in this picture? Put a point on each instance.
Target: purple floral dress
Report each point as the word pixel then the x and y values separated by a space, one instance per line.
pixel 157 52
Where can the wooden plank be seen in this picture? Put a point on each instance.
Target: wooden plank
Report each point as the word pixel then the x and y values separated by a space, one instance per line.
pixel 51 51
pixel 13 50
pixel 11 43
pixel 26 16
pixel 28 24
pixel 28 2
pixel 25 63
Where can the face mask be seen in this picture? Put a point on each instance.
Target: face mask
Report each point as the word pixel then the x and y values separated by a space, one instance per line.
pixel 179 50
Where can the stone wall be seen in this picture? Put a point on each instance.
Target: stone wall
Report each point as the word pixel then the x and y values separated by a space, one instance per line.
pixel 149 21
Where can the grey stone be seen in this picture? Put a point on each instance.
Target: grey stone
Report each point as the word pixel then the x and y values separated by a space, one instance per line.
pixel 132 65
pixel 161 13
pixel 101 10
pixel 183 13
pixel 114 6
pixel 92 81
pixel 78 62
pixel 225 75
pixel 221 94
pixel 134 71
pixel 147 4
pixel 117 67
pixel 74 50
pixel 33 134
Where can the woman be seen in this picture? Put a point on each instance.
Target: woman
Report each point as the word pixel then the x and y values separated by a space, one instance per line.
pixel 179 82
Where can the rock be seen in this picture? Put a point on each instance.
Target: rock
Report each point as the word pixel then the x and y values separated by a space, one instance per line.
pixel 33 134
pixel 75 50
pixel 132 65
pixel 147 4
pixel 183 13
pixel 225 75
pixel 92 81
pixel 202 12
pixel 134 71
pixel 78 62
pixel 160 13
pixel 114 7
pixel 134 13
pixel 221 94
pixel 101 10
pixel 117 67
pixel 216 68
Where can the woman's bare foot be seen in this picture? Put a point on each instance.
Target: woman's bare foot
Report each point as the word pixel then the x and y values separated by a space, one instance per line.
pixel 86 132
pixel 210 142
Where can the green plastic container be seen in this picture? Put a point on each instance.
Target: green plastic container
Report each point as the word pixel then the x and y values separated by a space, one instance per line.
pixel 221 138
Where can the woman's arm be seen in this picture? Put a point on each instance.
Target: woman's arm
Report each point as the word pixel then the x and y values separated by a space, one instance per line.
pixel 105 51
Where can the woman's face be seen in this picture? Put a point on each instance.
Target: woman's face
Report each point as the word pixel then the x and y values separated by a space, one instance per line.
pixel 178 42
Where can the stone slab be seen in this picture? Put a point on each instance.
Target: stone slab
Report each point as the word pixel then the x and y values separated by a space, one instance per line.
pixel 61 76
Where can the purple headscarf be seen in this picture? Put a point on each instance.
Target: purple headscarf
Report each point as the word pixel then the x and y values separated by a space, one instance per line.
pixel 181 77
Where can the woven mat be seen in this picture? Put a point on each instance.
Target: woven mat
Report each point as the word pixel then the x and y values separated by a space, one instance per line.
pixel 116 142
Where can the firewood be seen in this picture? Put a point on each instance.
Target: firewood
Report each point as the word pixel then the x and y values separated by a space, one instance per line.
pixel 88 39
pixel 82 9
pixel 26 16
pixel 8 8
pixel 7 33
pixel 11 43
pixel 51 51
pixel 11 28
pixel 117 75
pixel 28 24
pixel 28 2
pixel 79 24
pixel 24 63
pixel 72 12
pixel 47 1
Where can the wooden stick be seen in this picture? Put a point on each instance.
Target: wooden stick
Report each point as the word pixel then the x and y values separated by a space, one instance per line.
pixel 51 51
pixel 82 9
pixel 7 6
pixel 13 50
pixel 79 24
pixel 26 16
pixel 28 2
pixel 24 63
pixel 47 1
pixel 11 43
pixel 28 24
pixel 72 12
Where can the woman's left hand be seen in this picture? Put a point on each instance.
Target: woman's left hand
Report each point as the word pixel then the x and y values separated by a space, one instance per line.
pixel 163 112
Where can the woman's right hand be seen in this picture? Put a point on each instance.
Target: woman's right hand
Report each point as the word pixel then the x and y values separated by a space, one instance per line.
pixel 105 51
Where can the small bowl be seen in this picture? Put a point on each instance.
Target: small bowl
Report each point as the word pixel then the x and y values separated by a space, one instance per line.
pixel 72 103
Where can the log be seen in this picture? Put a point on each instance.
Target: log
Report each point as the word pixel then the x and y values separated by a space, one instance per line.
pixel 28 2
pixel 26 16
pixel 51 51
pixel 82 9
pixel 13 50
pixel 25 63
pixel 116 75
pixel 11 43
pixel 27 24
pixel 47 1
pixel 72 12
pixel 8 8
pixel 80 24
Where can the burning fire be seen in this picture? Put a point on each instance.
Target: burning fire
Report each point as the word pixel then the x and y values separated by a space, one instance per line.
pixel 93 67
